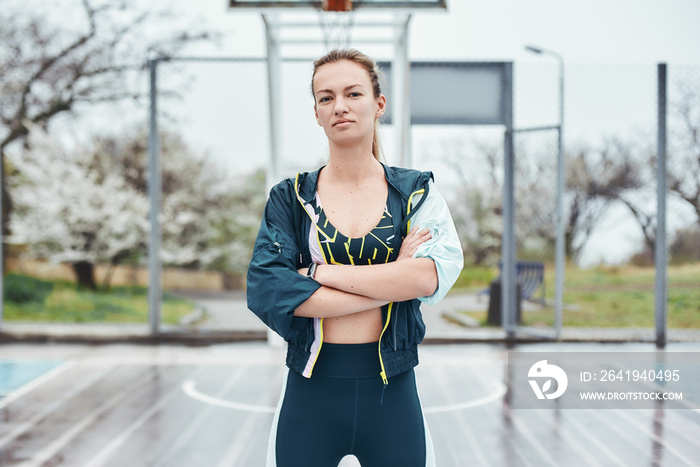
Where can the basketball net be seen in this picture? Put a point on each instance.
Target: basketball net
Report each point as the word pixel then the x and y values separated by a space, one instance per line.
pixel 336 19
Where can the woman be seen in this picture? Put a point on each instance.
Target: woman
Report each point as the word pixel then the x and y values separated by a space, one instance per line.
pixel 343 258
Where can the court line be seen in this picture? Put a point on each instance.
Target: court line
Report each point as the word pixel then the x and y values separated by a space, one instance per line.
pixel 12 396
pixel 51 408
pixel 498 393
pixel 189 387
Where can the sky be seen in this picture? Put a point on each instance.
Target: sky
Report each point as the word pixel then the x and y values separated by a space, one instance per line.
pixel 593 31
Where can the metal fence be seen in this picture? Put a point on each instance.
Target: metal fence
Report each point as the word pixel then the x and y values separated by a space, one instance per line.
pixel 609 116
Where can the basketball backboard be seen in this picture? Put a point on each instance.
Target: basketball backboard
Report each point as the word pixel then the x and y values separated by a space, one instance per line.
pixel 356 4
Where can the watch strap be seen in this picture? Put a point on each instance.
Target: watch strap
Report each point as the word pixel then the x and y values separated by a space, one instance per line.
pixel 311 272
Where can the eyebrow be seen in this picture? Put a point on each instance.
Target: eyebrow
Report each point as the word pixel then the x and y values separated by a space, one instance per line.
pixel 347 88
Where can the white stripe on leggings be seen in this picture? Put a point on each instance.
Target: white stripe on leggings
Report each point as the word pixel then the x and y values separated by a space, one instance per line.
pixel 272 441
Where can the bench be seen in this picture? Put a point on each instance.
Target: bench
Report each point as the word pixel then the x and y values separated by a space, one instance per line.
pixel 530 276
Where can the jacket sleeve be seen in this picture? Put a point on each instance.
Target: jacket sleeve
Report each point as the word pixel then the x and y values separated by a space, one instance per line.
pixel 274 287
pixel 444 246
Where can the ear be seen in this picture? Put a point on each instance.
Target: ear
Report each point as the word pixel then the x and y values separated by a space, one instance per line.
pixel 381 106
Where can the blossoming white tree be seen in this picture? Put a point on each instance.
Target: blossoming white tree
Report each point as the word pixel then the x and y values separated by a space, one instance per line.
pixel 90 205
pixel 67 211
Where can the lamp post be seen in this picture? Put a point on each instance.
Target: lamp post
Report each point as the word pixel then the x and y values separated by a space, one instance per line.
pixel 559 250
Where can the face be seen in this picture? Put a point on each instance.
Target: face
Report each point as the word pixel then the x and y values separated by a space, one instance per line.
pixel 345 105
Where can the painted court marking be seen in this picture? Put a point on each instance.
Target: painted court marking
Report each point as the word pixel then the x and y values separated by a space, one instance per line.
pixel 499 390
pixel 34 383
pixel 189 387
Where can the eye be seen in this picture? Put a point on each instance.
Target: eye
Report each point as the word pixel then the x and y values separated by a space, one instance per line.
pixel 355 94
pixel 324 99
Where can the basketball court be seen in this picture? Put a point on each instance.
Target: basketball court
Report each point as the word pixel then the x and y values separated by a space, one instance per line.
pixel 118 405
pixel 212 405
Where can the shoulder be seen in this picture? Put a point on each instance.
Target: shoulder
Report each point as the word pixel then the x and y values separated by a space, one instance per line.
pixel 407 180
pixel 282 194
pixel 291 188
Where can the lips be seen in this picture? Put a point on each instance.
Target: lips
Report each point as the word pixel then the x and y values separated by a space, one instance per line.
pixel 342 121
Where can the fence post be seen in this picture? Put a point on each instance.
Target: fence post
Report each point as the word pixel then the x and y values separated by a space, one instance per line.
pixel 508 280
pixel 155 292
pixel 660 250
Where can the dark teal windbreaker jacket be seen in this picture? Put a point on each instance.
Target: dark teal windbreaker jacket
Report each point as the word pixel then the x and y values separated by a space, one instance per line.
pixel 275 288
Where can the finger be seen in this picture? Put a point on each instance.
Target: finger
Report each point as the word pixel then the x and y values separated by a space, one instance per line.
pixel 411 234
pixel 417 233
pixel 419 237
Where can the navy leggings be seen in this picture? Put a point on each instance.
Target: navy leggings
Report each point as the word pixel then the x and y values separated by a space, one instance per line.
pixel 338 412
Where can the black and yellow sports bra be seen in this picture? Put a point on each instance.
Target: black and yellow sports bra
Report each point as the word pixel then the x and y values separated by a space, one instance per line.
pixel 336 248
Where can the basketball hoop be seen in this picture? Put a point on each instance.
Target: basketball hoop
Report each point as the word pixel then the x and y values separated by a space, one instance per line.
pixel 336 20
pixel 336 5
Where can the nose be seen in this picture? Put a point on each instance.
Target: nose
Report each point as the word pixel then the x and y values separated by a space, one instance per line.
pixel 340 106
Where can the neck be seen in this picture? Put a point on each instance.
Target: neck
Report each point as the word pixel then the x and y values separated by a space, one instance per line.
pixel 352 163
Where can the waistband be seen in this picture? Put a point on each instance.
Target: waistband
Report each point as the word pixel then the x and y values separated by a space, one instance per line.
pixel 348 361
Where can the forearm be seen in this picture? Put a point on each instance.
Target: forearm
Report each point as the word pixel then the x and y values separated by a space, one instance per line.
pixel 394 282
pixel 327 302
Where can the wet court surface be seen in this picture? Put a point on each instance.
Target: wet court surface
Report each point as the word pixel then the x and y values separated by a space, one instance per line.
pixel 124 405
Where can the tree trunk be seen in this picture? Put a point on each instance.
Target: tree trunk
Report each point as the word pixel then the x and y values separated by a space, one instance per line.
pixel 85 274
pixel 6 210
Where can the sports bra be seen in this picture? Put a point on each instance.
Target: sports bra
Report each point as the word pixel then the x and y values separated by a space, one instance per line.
pixel 329 246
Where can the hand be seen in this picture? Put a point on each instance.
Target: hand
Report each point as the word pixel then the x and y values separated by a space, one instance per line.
pixel 413 240
pixel 303 271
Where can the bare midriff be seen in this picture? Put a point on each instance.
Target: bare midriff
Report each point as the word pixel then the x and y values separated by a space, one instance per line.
pixel 358 328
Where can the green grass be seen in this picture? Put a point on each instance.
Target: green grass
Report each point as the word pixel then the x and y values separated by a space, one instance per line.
pixel 475 278
pixel 30 299
pixel 617 297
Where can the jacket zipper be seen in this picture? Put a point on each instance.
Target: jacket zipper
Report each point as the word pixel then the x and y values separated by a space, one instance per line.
pixel 381 361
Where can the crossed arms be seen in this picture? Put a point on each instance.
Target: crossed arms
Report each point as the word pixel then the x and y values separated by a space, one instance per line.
pixel 349 289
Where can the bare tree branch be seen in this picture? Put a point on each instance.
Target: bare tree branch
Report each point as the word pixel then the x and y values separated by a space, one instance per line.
pixel 48 69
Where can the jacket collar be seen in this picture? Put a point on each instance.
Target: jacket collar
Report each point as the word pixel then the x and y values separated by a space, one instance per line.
pixel 405 181
pixel 308 183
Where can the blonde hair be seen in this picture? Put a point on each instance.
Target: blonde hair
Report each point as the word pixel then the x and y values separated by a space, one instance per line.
pixel 374 76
